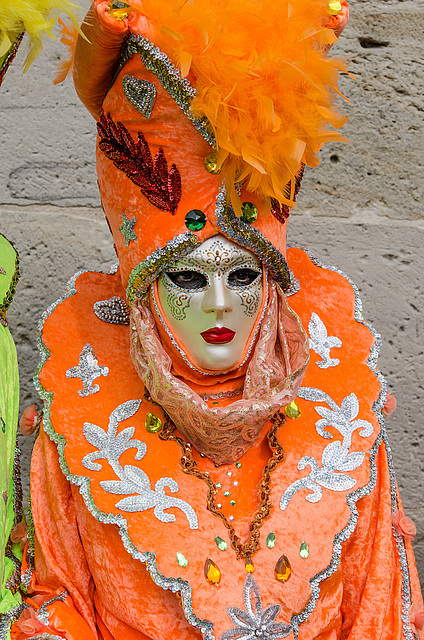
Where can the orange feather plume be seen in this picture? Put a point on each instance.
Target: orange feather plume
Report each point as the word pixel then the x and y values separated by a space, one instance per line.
pixel 262 79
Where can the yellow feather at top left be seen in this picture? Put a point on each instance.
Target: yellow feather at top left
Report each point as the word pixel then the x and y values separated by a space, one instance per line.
pixel 35 17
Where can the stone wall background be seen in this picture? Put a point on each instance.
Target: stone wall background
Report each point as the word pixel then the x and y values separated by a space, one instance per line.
pixel 361 210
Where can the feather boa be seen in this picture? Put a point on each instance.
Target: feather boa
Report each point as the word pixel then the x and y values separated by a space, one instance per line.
pixel 262 78
pixel 36 17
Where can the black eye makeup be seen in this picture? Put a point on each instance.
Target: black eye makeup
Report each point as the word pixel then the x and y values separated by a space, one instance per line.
pixel 242 277
pixel 190 280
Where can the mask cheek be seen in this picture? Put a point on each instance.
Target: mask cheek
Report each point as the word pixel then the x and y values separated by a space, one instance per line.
pixel 250 300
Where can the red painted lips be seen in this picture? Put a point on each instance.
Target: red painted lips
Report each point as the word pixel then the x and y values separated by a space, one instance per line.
pixel 218 335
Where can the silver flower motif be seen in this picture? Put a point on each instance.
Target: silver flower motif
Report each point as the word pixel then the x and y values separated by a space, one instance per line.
pixel 336 457
pixel 321 343
pixel 255 622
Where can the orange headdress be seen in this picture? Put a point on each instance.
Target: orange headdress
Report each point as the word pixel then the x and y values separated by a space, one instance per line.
pixel 213 112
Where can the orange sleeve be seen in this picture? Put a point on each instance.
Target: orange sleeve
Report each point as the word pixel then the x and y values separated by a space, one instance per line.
pixel 377 566
pixel 60 561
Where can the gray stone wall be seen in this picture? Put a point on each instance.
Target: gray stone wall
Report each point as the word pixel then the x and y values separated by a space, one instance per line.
pixel 362 209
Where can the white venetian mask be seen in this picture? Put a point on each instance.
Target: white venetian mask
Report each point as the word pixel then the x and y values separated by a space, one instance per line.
pixel 211 300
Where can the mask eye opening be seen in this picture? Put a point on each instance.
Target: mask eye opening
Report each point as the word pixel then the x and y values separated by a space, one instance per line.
pixel 187 279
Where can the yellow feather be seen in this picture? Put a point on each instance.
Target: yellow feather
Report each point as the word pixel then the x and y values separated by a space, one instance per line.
pixel 36 17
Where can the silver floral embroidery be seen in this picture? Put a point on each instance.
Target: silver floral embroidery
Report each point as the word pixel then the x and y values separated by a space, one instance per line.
pixel 87 370
pixel 110 446
pixel 321 343
pixel 255 622
pixel 336 457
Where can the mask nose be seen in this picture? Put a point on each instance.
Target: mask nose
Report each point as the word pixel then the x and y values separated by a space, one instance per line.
pixel 217 297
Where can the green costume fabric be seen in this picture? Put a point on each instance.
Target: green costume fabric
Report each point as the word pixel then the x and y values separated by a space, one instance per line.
pixel 9 406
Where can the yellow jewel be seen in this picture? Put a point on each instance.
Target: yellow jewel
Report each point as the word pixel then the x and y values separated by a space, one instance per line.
pixel 249 567
pixel 115 10
pixel 153 424
pixel 211 164
pixel 282 569
pixel 292 410
pixel 212 573
pixel 334 8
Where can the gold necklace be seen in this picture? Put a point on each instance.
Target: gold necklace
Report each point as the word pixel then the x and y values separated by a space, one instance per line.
pixel 244 550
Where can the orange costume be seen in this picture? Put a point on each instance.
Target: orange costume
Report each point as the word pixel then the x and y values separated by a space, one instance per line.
pixel 283 520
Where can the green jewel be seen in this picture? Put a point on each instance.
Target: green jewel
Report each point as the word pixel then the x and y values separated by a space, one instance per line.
pixel 3 425
pixel 226 494
pixel 270 541
pixel 202 455
pixel 292 411
pixel 249 212
pixel 232 503
pixel 304 550
pixel 238 465
pixel 218 485
pixel 181 559
pixel 153 424
pixel 195 220
pixel 221 544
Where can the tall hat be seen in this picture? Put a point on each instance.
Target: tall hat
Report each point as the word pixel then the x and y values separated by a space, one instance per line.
pixel 212 112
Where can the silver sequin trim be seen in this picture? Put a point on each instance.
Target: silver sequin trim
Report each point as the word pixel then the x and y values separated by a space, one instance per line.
pixel 142 276
pixel 8 618
pixel 255 622
pixel 110 446
pixel 353 497
pixel 43 614
pixel 175 585
pixel 245 235
pixel 321 342
pixel 87 370
pixel 170 77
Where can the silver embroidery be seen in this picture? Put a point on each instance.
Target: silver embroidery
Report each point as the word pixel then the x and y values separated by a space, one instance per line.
pixel 321 343
pixel 43 614
pixel 114 310
pixel 110 446
pixel 175 585
pixel 87 370
pixel 2 271
pixel 353 497
pixel 336 457
pixel 141 94
pixel 255 622
pixel 178 585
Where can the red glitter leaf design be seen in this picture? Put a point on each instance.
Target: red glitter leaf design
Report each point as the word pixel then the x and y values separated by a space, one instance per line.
pixel 282 211
pixel 161 187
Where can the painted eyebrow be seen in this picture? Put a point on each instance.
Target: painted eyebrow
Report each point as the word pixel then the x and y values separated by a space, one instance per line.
pixel 248 261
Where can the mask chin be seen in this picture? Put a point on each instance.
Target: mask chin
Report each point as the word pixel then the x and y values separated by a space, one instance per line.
pixel 214 324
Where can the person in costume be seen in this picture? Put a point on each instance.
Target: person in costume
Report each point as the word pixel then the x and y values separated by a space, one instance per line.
pixel 213 460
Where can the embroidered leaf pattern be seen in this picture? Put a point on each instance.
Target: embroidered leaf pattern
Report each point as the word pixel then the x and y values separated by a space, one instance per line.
pixel 133 482
pixel 321 342
pixel 162 187
pixel 336 458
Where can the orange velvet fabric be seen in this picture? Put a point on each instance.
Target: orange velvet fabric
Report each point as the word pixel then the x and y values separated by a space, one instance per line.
pixel 113 592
